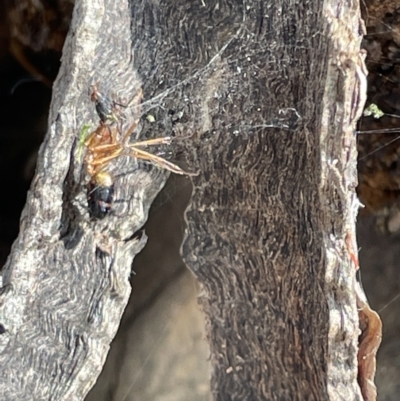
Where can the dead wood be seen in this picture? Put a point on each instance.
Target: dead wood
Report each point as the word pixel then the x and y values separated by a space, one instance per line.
pixel 267 95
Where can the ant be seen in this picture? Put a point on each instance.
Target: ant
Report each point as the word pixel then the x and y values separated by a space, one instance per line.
pixel 104 145
pixel 106 108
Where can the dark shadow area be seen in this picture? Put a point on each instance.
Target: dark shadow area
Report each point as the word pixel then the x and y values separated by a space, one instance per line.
pixel 159 350
pixel 380 275
pixel 24 104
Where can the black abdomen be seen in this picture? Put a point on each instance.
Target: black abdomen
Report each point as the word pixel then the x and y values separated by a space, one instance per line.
pixel 100 200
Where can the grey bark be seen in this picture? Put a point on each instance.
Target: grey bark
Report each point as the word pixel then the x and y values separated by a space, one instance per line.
pixel 267 95
pixel 66 282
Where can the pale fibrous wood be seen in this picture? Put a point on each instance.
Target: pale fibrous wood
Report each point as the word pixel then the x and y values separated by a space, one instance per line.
pixel 267 95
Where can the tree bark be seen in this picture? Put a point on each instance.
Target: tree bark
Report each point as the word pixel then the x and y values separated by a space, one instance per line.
pixel 66 282
pixel 266 96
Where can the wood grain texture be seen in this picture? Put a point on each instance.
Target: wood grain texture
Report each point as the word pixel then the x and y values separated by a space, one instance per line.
pixel 266 95
pixel 66 282
pixel 275 200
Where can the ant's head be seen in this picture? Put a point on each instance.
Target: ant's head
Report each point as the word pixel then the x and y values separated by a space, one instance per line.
pixel 94 92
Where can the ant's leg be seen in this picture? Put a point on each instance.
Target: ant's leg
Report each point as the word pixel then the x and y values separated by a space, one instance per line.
pixel 158 161
pixel 114 135
pixel 165 140
pixel 136 99
pixel 106 159
pixel 101 147
pixel 105 148
pixel 152 142
pixel 129 132
pixel 89 137
pixel 102 135
pixel 105 152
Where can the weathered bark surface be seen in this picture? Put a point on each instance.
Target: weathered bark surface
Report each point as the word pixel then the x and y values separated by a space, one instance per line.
pixel 270 93
pixel 274 208
pixel 66 282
